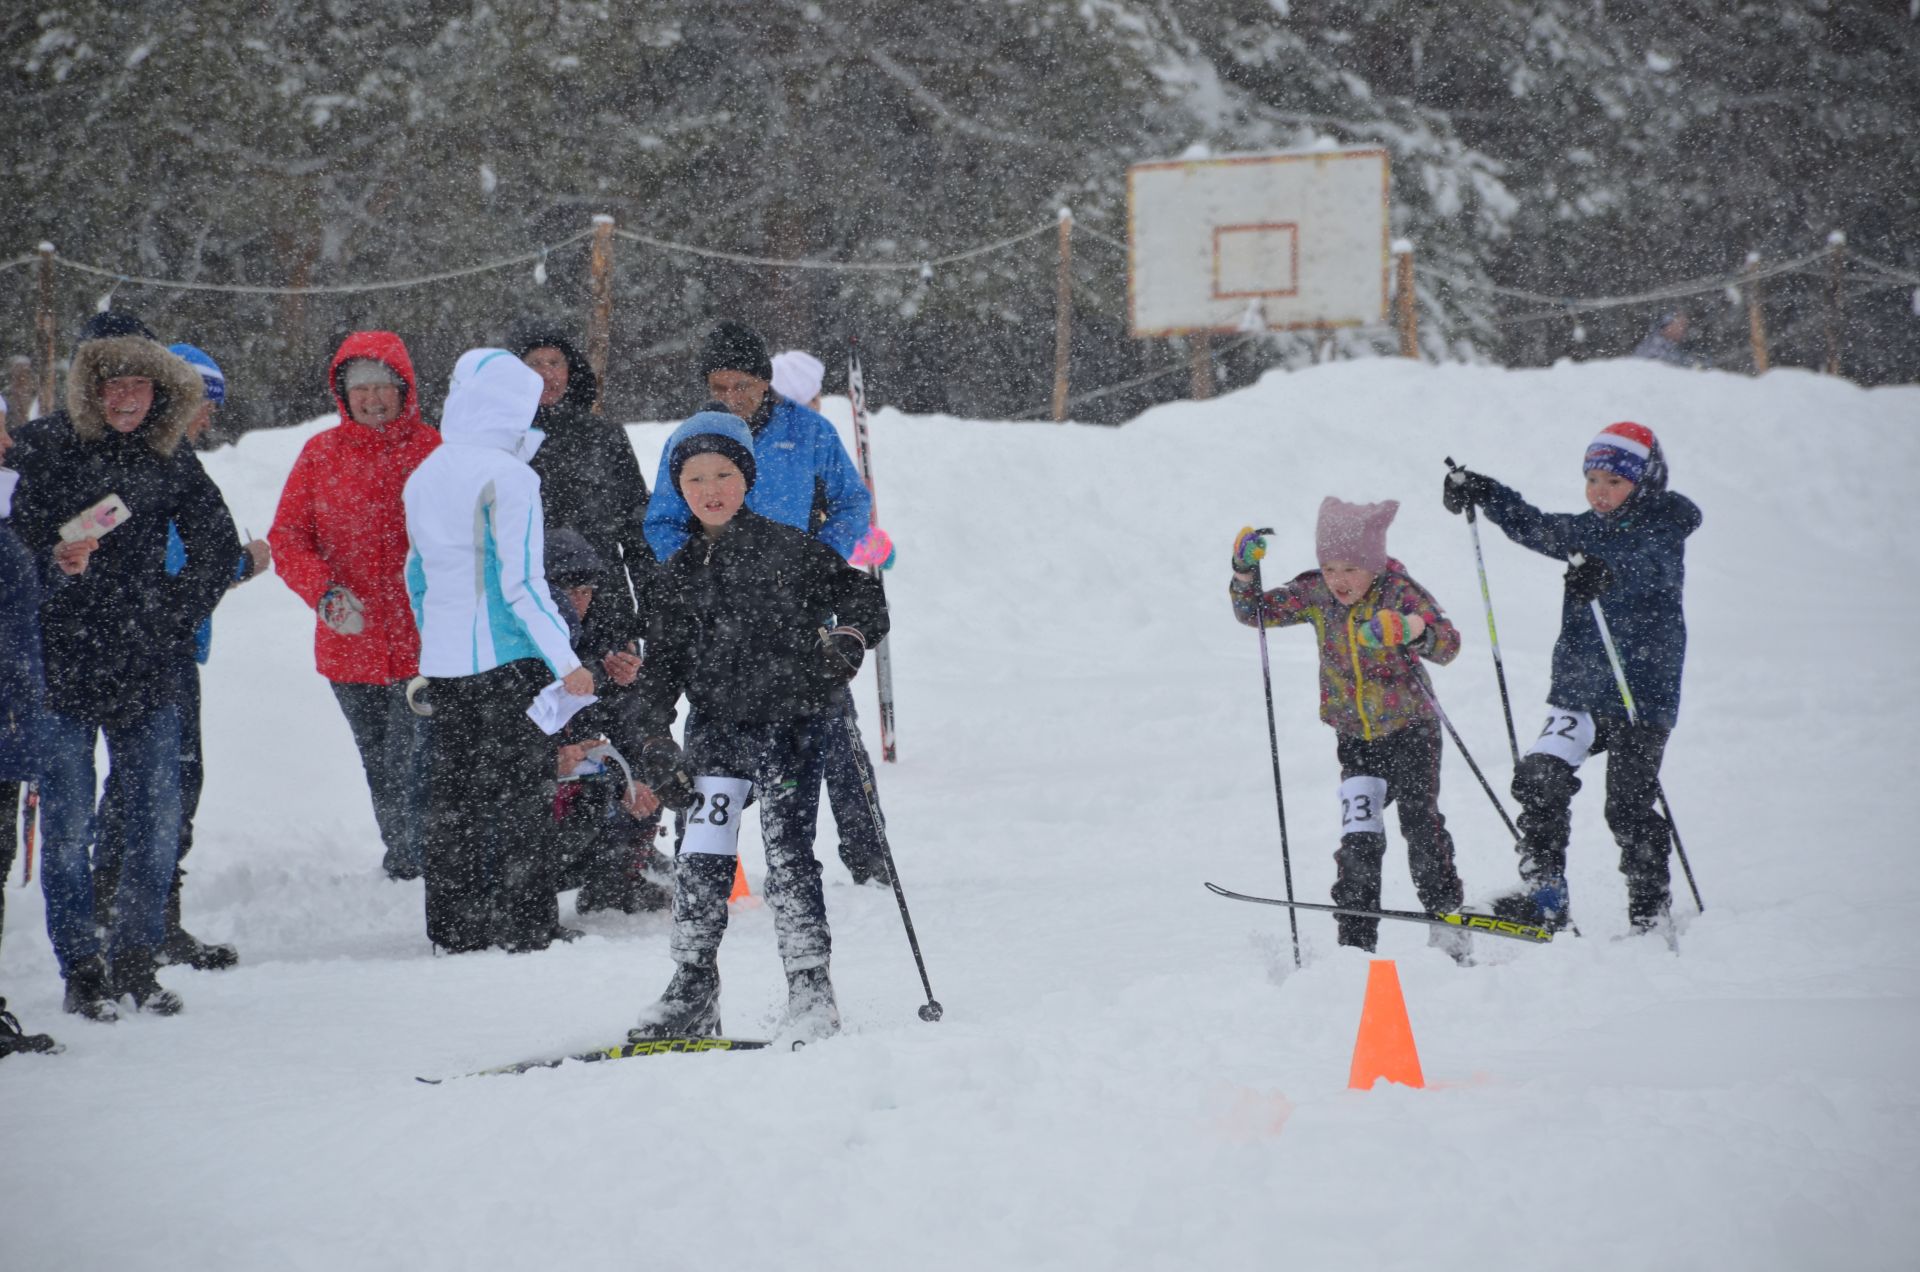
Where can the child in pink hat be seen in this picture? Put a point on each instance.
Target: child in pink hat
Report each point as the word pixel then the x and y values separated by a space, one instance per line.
pixel 1375 624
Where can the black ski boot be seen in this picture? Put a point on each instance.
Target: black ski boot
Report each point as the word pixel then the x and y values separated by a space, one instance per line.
pixel 90 992
pixel 1541 902
pixel 182 948
pixel 812 1013
pixel 133 977
pixel 866 868
pixel 13 1038
pixel 689 1007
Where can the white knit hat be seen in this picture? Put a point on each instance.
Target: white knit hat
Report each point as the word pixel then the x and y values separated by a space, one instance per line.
pixel 797 375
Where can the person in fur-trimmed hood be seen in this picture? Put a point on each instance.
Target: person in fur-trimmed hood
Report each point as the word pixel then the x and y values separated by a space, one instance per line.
pixel 1375 624
pixel 112 620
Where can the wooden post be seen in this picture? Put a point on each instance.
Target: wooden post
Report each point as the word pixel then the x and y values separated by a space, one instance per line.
pixel 45 327
pixel 1836 262
pixel 1756 319
pixel 1063 317
pixel 600 319
pixel 1200 348
pixel 1403 287
pixel 20 386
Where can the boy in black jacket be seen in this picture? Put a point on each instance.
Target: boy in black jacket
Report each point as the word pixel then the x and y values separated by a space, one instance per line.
pixel 760 627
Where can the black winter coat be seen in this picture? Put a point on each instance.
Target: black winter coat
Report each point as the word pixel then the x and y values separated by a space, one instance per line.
pixel 589 476
pixel 736 627
pixel 109 632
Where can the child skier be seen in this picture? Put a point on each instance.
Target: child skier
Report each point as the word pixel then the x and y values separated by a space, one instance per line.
pixel 1633 545
pixel 760 626
pixel 1374 624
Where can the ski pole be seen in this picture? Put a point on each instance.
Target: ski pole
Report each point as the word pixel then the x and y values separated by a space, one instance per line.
pixel 930 1010
pixel 29 822
pixel 1493 633
pixel 1626 697
pixel 1273 747
pixel 1420 678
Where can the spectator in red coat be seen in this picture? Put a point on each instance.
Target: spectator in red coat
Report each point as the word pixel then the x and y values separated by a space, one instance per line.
pixel 340 541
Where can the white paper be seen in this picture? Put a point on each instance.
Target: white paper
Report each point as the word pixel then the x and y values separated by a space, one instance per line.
pixel 554 706
pixel 713 823
pixel 1567 735
pixel 1363 806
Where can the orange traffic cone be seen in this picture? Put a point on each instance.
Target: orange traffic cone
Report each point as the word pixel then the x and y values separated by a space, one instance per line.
pixel 741 892
pixel 1384 1048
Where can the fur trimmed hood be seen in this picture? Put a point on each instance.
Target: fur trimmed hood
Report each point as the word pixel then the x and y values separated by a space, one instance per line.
pixel 178 390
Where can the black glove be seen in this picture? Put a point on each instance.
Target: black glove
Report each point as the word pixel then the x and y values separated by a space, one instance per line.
pixel 1590 579
pixel 664 770
pixel 842 650
pixel 1462 489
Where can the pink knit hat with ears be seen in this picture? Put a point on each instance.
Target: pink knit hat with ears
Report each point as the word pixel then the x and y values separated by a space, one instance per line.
pixel 1354 534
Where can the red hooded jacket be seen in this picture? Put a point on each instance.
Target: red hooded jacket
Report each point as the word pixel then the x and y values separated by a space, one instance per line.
pixel 341 521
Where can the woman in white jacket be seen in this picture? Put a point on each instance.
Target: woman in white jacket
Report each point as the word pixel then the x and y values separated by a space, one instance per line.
pixel 490 641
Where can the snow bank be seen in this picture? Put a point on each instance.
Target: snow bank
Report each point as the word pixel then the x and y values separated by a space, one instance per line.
pixel 1131 1074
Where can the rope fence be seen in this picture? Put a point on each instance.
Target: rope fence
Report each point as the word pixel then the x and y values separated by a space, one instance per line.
pixel 1834 259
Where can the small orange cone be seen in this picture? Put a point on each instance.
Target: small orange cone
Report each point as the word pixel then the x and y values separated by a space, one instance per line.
pixel 740 889
pixel 1384 1048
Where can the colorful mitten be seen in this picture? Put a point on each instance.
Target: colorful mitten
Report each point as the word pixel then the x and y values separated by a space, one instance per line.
pixel 1387 629
pixel 1248 547
pixel 875 550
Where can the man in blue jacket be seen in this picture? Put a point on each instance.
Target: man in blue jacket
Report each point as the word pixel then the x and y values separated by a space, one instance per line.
pixel 805 479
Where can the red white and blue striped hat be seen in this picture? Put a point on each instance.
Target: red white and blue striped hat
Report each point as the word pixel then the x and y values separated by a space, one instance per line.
pixel 1626 450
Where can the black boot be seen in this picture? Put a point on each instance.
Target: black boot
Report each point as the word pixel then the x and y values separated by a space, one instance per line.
pixel 689 1008
pixel 90 992
pixel 866 868
pixel 133 977
pixel 13 1038
pixel 183 948
pixel 812 1012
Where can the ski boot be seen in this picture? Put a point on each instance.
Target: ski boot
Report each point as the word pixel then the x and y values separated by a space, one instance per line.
pixel 1650 912
pixel 183 949
pixel 812 1013
pixel 90 992
pixel 1541 902
pixel 13 1038
pixel 688 1008
pixel 132 972
pixel 866 868
pixel 1457 943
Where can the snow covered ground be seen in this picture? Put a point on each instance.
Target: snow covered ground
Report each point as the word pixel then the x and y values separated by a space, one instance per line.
pixel 1131 1074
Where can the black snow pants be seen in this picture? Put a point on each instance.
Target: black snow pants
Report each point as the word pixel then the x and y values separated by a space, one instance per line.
pixel 781 761
pixel 489 876
pixel 1545 786
pixel 1408 762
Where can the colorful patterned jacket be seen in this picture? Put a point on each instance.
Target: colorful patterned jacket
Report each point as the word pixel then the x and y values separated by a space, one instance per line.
pixel 1366 690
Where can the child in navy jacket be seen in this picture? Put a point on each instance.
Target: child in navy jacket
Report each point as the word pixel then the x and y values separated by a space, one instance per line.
pixel 1633 548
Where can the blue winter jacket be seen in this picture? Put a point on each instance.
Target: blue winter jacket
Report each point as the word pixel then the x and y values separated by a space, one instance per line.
pixel 795 454
pixel 22 687
pixel 1645 542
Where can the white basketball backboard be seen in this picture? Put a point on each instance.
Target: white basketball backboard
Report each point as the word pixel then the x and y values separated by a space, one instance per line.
pixel 1284 241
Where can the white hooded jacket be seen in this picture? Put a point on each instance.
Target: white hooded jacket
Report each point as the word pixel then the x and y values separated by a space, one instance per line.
pixel 475 571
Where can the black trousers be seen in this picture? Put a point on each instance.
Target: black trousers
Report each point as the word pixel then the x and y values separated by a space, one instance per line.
pixel 1408 761
pixel 1545 786
pixel 489 877
pixel 782 760
pixel 860 834
pixel 111 830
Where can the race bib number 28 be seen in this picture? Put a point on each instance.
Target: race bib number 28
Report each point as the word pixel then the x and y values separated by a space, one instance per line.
pixel 713 818
pixel 1567 735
